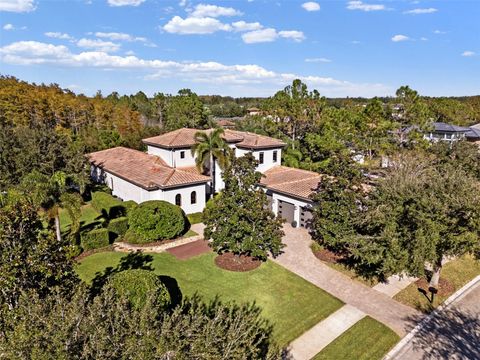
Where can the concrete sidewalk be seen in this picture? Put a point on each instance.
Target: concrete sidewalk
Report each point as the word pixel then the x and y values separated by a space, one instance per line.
pixel 318 337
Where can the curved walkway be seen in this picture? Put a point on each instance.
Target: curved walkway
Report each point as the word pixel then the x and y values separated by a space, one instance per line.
pixel 299 259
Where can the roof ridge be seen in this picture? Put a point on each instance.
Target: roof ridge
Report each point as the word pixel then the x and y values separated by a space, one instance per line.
pixel 169 176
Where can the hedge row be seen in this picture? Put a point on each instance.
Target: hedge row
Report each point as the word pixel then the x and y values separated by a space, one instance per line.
pixel 104 202
pixel 118 226
pixel 95 239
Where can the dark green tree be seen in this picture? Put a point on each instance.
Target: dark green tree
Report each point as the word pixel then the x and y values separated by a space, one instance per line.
pixel 239 220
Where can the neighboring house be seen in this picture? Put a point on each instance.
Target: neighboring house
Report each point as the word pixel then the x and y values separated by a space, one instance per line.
pixel 167 172
pixel 227 123
pixel 446 132
pixel 473 135
pixel 254 111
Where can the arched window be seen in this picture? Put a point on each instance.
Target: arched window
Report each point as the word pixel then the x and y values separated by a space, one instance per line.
pixel 178 200
pixel 193 197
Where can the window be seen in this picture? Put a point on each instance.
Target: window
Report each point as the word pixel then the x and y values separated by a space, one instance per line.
pixel 178 200
pixel 182 154
pixel 193 197
pixel 260 158
pixel 275 156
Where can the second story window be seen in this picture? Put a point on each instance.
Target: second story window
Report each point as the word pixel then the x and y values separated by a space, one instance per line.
pixel 275 156
pixel 260 158
pixel 178 200
pixel 193 197
pixel 182 154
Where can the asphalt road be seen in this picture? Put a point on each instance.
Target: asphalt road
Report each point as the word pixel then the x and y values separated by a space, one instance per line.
pixel 453 333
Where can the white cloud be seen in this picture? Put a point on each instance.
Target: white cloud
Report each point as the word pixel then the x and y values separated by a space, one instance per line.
pixel 423 38
pixel 397 38
pixel 260 36
pixel 438 32
pixel 182 3
pixel 17 5
pixel 360 5
pixel 295 35
pixel 204 10
pixel 317 60
pixel 468 53
pixel 421 11
pixel 244 26
pixel 191 25
pixel 58 35
pixel 8 27
pixel 311 6
pixel 100 45
pixel 33 52
pixel 124 2
pixel 115 36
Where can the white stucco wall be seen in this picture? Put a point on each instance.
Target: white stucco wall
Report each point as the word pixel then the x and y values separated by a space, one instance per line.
pixel 128 191
pixel 185 192
pixel 268 162
pixel 276 197
pixel 173 157
pixel 165 154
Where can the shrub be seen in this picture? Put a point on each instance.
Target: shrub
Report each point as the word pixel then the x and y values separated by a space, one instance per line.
pixel 104 202
pixel 195 218
pixel 156 220
pixel 129 205
pixel 95 239
pixel 136 284
pixel 118 226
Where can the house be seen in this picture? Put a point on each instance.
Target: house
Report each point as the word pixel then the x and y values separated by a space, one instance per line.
pixel 446 132
pixel 168 172
pixel 473 135
pixel 253 111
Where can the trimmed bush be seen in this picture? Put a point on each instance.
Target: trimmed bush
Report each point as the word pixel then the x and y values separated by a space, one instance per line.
pixel 156 220
pixel 118 226
pixel 136 284
pixel 94 239
pixel 104 202
pixel 129 205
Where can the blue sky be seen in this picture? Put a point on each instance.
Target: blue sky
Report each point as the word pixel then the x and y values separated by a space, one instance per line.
pixel 244 48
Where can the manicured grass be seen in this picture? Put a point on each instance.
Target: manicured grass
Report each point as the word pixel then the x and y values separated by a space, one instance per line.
pixel 195 218
pixel 292 304
pixel 189 233
pixel 89 216
pixel 368 339
pixel 457 273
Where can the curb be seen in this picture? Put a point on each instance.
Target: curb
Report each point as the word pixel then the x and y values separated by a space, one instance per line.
pixel 454 297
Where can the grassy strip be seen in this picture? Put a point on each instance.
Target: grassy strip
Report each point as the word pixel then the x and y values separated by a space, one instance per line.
pixel 457 273
pixel 368 339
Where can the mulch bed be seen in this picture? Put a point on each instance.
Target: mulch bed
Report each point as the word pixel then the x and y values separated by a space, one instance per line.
pixel 189 250
pixel 328 256
pixel 445 288
pixel 232 262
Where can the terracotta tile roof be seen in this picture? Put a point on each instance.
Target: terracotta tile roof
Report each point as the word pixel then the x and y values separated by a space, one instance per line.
pixel 147 171
pixel 185 137
pixel 290 181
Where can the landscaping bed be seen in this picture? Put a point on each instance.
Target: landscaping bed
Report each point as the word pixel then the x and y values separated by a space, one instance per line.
pixel 188 234
pixel 232 262
pixel 334 261
pixel 368 339
pixel 455 274
pixel 289 302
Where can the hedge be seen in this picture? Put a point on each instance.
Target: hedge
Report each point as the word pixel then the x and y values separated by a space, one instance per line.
pixel 102 201
pixel 129 205
pixel 94 239
pixel 155 220
pixel 118 226
pixel 136 284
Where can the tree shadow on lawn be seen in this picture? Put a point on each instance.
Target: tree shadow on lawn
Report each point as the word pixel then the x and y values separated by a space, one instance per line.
pixel 136 260
pixel 450 334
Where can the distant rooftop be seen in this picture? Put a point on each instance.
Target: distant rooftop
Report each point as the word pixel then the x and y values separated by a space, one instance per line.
pixel 444 127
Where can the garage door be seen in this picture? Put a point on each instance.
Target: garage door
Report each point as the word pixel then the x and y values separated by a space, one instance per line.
pixel 286 211
pixel 305 217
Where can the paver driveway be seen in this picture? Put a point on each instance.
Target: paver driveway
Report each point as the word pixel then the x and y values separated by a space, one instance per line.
pixel 299 259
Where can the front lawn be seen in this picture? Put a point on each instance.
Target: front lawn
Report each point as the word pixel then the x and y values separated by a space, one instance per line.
pixel 368 339
pixel 291 303
pixel 88 216
pixel 457 273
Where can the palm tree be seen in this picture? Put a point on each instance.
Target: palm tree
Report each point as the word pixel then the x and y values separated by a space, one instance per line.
pixel 51 193
pixel 209 149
